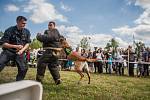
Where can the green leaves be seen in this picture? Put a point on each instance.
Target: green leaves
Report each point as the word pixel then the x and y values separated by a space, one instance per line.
pixel 35 44
pixel 1 33
pixel 84 43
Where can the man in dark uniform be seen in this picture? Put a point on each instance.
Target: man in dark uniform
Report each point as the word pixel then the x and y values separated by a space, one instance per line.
pixel 50 38
pixel 94 57
pixel 131 59
pixel 15 41
pixel 145 58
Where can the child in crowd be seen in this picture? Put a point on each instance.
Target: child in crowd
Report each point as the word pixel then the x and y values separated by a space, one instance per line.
pixel 110 64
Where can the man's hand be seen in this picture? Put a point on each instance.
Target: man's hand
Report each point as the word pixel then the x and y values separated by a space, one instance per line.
pixel 20 52
pixel 19 47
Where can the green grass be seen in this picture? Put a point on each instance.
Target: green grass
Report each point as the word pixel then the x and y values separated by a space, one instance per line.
pixel 102 87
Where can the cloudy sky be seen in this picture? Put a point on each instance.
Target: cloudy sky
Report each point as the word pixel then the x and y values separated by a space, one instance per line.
pixel 100 20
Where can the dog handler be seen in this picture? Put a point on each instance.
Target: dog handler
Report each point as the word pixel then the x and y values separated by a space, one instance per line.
pixel 51 40
pixel 15 41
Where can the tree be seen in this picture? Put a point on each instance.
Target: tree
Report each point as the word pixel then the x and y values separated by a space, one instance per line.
pixel 84 43
pixel 139 46
pixel 1 33
pixel 35 44
pixel 113 44
pixel 108 46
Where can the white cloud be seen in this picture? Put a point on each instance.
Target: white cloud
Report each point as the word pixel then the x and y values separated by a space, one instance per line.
pixel 141 29
pixel 141 32
pixel 125 30
pixel 143 3
pixel 129 2
pixel 75 34
pixel 145 16
pixel 122 43
pixel 11 8
pixel 70 29
pixel 65 7
pixel 72 33
pixel 42 11
pixel 99 39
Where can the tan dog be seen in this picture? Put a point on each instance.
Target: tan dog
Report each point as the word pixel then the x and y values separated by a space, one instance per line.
pixel 79 65
pixel 80 62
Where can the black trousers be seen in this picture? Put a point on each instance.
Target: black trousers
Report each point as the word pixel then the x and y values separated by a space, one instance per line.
pixel 120 69
pixel 95 66
pixel 146 70
pixel 100 67
pixel 106 67
pixel 131 69
pixel 52 60
pixel 6 56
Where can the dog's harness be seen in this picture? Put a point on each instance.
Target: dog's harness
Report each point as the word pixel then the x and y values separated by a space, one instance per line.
pixel 68 51
pixel 69 54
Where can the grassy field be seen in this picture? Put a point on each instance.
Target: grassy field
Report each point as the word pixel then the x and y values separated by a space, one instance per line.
pixel 102 87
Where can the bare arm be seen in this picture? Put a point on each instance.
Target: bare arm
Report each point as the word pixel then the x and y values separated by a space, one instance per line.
pixel 7 45
pixel 23 49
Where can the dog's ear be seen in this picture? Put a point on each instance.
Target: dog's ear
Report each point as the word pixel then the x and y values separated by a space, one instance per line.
pixel 61 39
pixel 64 43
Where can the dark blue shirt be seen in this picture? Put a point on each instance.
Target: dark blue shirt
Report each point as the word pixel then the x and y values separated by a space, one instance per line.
pixel 16 37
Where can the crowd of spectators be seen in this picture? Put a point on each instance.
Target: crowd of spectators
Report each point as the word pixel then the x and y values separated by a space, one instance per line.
pixel 120 61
